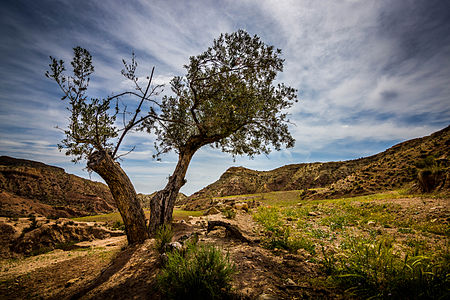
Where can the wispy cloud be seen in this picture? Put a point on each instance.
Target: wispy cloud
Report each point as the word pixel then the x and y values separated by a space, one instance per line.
pixel 369 73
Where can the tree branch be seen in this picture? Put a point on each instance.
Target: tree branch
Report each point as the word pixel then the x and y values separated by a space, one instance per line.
pixel 131 123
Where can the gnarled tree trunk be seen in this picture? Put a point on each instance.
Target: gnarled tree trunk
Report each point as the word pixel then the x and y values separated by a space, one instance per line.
pixel 123 193
pixel 162 204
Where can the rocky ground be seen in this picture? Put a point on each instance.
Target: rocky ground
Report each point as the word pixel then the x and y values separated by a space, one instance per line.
pixel 104 267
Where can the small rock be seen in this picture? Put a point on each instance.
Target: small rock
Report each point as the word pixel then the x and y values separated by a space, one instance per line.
pixel 265 296
pixel 436 207
pixel 211 211
pixel 290 282
pixel 71 281
pixel 312 213
pixel 242 206
pixel 371 223
pixel 182 222
pixel 172 246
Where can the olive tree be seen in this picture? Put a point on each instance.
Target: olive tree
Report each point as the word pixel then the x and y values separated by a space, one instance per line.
pixel 94 134
pixel 228 99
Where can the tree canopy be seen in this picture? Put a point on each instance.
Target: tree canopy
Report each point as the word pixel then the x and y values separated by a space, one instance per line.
pixel 227 98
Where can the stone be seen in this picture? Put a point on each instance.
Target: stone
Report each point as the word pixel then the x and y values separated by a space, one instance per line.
pixel 71 281
pixel 371 223
pixel 265 296
pixel 289 282
pixel 172 246
pixel 211 211
pixel 242 206
pixel 436 207
pixel 312 213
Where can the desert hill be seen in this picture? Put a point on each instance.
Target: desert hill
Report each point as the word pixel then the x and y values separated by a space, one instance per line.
pixel 394 168
pixel 32 187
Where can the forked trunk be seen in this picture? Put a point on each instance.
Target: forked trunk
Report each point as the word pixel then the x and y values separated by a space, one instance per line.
pixel 162 204
pixel 123 193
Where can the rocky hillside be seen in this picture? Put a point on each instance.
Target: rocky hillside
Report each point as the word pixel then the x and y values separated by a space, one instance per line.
pixel 390 169
pixel 33 187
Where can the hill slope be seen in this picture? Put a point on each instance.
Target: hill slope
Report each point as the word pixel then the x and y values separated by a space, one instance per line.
pixel 393 168
pixel 33 187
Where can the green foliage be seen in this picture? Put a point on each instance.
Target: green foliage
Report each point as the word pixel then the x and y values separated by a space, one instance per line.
pixel 91 124
pixel 118 225
pixel 372 269
pixel 163 235
pixel 278 235
pixel 228 99
pixel 426 163
pixel 229 213
pixel 203 272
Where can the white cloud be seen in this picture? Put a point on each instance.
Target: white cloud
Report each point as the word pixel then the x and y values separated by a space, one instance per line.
pixel 355 83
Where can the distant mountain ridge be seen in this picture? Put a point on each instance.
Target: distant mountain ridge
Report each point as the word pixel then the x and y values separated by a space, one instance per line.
pixel 393 168
pixel 33 187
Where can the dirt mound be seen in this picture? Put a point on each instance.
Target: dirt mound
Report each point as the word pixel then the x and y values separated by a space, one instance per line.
pixel 33 187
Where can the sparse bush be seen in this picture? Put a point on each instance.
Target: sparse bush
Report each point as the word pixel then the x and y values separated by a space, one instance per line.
pixel 163 235
pixel 118 225
pixel 203 272
pixel 229 213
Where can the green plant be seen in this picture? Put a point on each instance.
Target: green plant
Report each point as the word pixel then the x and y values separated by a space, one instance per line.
pixel 278 235
pixel 203 272
pixel 405 230
pixel 118 225
pixel 163 235
pixel 229 213
pixel 372 269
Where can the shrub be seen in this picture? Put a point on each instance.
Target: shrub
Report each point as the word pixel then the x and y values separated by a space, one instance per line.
pixel 374 270
pixel 163 235
pixel 229 213
pixel 203 272
pixel 118 225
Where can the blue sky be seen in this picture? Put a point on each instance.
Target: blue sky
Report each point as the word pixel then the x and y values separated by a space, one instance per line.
pixel 370 74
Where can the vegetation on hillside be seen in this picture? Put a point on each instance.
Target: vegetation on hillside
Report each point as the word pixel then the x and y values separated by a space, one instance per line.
pixel 421 164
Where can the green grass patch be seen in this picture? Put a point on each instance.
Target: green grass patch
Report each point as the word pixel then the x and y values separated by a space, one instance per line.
pixel 371 249
pixel 114 217
pixel 372 269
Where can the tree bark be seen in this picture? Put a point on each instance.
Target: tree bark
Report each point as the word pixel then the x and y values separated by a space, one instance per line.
pixel 162 204
pixel 123 193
